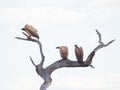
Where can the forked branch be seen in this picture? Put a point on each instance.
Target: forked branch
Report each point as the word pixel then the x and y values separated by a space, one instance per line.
pixel 45 73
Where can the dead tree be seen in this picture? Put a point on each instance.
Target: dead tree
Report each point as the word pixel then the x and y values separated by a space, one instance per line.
pixel 46 72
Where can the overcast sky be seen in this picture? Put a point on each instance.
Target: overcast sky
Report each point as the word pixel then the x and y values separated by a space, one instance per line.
pixel 60 22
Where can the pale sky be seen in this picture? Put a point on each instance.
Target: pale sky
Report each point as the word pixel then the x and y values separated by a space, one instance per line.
pixel 60 22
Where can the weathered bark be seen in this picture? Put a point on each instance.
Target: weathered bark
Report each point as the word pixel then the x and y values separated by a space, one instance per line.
pixel 45 73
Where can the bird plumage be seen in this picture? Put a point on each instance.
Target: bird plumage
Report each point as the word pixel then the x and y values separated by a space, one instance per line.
pixel 79 54
pixel 31 31
pixel 63 51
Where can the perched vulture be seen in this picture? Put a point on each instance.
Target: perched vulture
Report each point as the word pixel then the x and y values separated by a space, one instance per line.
pixel 63 51
pixel 79 54
pixel 31 31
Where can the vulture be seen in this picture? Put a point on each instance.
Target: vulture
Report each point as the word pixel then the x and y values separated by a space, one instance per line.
pixel 63 51
pixel 79 54
pixel 31 31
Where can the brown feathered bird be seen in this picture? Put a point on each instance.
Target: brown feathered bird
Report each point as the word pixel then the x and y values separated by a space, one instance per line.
pixel 63 51
pixel 79 54
pixel 31 31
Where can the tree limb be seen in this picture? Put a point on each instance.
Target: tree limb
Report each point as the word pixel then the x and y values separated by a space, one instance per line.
pixel 100 37
pixel 45 73
pixel 32 61
pixel 101 44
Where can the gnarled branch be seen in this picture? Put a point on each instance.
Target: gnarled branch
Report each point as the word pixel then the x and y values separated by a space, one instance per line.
pixel 45 73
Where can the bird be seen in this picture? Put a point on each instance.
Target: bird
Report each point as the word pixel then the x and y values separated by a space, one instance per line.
pixel 31 31
pixel 63 51
pixel 79 54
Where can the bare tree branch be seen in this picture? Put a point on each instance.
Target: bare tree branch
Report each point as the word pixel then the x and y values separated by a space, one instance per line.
pixel 101 45
pixel 45 73
pixel 38 42
pixel 100 37
pixel 32 62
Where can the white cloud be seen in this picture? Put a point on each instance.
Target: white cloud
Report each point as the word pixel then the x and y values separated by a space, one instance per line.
pixel 97 10
pixel 32 82
pixel 52 14
pixel 97 83
pixel 102 9
pixel 105 2
pixel 24 83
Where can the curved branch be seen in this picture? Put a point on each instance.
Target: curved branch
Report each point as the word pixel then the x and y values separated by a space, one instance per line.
pixel 101 45
pixel 39 67
pixel 40 47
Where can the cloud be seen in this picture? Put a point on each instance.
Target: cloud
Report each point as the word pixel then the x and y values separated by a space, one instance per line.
pixel 105 9
pixel 105 3
pixel 97 83
pixel 43 14
pixel 23 83
pixel 95 10
pixel 31 82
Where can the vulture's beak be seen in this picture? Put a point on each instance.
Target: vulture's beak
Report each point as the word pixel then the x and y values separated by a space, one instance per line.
pixel 23 29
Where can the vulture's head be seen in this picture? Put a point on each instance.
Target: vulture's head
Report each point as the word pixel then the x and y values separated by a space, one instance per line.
pixel 76 45
pixel 57 47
